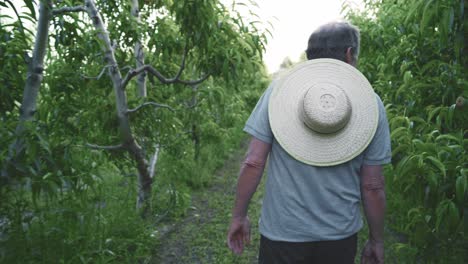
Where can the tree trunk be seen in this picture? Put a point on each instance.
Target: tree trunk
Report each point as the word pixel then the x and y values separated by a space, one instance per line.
pixel 195 130
pixel 139 54
pixel 35 72
pixel 128 141
pixel 33 81
pixel 196 141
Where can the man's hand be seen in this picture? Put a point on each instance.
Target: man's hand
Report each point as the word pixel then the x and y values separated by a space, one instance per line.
pixel 373 253
pixel 238 234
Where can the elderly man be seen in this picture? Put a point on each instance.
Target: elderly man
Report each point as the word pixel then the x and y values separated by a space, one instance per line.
pixel 326 135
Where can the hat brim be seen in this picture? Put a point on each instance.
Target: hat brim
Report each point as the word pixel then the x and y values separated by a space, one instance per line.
pixel 315 148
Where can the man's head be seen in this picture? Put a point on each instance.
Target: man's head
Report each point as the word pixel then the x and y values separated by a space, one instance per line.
pixel 335 40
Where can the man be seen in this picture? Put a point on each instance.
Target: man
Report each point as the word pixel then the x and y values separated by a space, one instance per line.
pixel 311 209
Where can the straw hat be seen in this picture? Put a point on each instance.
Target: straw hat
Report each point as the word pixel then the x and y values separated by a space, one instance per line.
pixel 323 112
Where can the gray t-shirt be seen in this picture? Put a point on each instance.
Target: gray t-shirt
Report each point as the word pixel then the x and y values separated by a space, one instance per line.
pixel 308 203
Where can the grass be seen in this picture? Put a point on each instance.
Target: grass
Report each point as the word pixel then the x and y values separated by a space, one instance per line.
pixel 96 225
pixel 201 236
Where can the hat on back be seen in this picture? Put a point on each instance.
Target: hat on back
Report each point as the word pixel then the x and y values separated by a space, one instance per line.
pixel 323 112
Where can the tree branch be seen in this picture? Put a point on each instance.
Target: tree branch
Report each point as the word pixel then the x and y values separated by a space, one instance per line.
pixel 115 147
pixel 97 77
pixel 149 103
pixel 182 64
pixel 68 9
pixel 153 161
pixel 161 78
pixel 32 83
pixel 151 70
pixel 140 51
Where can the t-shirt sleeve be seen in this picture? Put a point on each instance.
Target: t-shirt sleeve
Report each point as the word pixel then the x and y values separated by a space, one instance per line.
pixel 379 151
pixel 258 124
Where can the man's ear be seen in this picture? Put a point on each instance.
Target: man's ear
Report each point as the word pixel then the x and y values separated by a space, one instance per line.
pixel 349 57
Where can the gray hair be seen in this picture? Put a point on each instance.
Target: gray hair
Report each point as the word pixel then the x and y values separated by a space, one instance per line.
pixel 332 41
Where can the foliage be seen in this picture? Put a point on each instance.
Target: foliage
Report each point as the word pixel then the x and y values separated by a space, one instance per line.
pixel 68 203
pixel 412 54
pixel 14 47
pixel 96 224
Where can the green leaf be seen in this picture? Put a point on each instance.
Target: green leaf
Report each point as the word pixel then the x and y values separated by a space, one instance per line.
pixel 47 176
pixel 449 120
pixel 407 165
pixel 399 121
pixel 438 164
pixel 407 76
pixel 414 212
pixel 399 149
pixel 418 144
pixel 418 119
pixel 421 146
pixel 448 137
pixel 454 215
pixel 397 133
pixel 401 247
pixel 441 211
pixel 30 4
pixel 432 179
pixel 460 188
pixel 427 14
pixel 451 19
pixel 433 112
pixel 420 86
pixel 464 172
pixel 445 27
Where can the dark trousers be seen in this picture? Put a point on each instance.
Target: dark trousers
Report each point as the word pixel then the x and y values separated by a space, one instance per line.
pixel 327 252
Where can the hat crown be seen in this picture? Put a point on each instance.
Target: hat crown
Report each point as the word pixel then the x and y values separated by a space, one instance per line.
pixel 326 109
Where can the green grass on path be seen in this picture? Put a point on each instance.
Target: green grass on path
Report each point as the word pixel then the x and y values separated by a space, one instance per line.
pixel 201 236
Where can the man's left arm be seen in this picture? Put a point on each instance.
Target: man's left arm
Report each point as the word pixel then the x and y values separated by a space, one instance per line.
pixel 374 203
pixel 376 155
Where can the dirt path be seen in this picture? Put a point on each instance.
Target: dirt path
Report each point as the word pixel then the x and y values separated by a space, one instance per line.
pixel 200 236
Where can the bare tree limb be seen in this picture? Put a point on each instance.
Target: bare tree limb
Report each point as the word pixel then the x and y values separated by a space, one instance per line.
pixel 97 77
pixel 68 9
pixel 176 79
pixel 193 101
pixel 125 68
pixel 182 64
pixel 153 161
pixel 139 53
pixel 32 84
pixel 149 103
pixel 115 147
pixel 161 78
pixel 140 50
pixel 114 44
pixel 134 72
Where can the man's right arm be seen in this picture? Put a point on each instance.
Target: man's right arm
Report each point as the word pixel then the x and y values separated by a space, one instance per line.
pixel 249 178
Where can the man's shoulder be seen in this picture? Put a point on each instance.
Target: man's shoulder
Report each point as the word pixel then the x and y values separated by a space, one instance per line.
pixel 379 101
